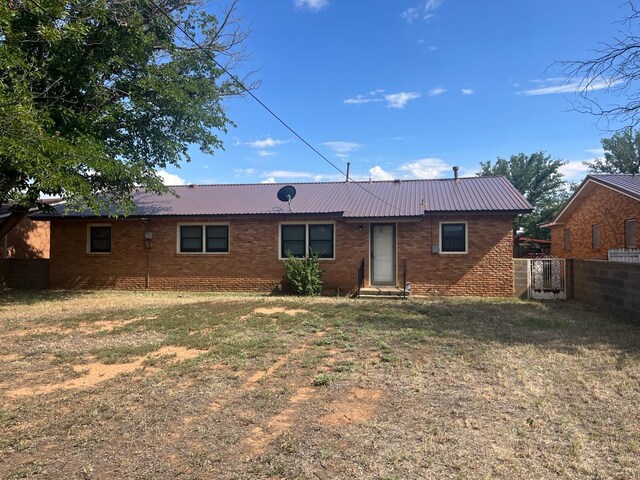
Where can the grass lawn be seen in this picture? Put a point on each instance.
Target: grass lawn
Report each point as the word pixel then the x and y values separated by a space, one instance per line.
pixel 110 385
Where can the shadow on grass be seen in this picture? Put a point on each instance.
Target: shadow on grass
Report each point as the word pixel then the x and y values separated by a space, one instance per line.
pixel 562 326
pixel 33 297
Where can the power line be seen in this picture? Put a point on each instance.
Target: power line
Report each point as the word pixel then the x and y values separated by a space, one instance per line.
pixel 252 95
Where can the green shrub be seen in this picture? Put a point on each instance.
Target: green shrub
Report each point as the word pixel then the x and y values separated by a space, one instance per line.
pixel 304 274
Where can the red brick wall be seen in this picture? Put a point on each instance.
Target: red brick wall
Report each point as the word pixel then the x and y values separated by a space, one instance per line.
pixel 604 207
pixel 253 265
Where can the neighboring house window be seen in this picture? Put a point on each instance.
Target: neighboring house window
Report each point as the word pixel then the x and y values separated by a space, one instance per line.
pixel 99 239
pixel 300 239
pixel 595 237
pixel 567 239
pixel 203 238
pixel 453 237
pixel 630 233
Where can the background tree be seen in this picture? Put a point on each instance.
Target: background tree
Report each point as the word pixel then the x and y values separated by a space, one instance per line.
pixel 538 179
pixel 616 67
pixel 621 154
pixel 96 96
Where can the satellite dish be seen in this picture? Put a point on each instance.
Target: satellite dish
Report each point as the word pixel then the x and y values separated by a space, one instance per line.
pixel 286 194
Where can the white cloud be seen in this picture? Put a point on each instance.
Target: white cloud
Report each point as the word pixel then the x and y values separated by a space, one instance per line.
pixel 269 180
pixel 425 168
pixel 342 149
pixel 437 91
pixel 467 91
pixel 400 99
pixel 574 170
pixel 433 48
pixel 377 173
pixel 423 11
pixel 244 172
pixel 595 151
pixel 170 178
pixel 313 5
pixel 266 143
pixel 288 174
pixel 571 87
pixel 266 153
pixel 361 99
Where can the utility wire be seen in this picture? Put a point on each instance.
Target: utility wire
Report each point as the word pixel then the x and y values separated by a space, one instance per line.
pixel 252 95
pixel 260 102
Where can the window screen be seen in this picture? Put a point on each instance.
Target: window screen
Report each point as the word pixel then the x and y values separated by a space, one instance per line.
pixel 100 239
pixel 453 237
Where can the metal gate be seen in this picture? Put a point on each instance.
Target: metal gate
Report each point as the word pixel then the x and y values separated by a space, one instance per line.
pixel 547 279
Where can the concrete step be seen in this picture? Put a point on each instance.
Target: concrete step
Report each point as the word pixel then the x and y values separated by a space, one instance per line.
pixel 380 292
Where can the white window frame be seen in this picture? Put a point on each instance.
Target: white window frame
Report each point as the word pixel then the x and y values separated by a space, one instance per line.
pixel 89 226
pixel 306 247
pixel 466 237
pixel 204 237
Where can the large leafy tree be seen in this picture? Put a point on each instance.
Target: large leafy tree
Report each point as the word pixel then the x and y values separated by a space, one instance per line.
pixel 621 153
pixel 538 179
pixel 97 95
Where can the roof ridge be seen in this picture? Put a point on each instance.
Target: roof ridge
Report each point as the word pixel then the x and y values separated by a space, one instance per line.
pixel 335 182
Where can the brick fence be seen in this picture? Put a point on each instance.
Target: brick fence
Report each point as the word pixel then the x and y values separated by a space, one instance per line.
pixel 612 286
pixel 24 273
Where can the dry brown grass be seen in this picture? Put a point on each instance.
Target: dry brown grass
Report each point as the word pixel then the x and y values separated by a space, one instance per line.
pixel 178 385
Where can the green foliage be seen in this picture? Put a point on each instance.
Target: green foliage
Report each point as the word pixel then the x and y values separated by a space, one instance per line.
pixel 621 154
pixel 538 179
pixel 96 96
pixel 304 274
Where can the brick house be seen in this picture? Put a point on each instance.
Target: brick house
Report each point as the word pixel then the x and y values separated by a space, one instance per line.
pixel 28 239
pixel 455 234
pixel 601 214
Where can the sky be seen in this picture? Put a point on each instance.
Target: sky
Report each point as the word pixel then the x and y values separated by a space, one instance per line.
pixel 406 89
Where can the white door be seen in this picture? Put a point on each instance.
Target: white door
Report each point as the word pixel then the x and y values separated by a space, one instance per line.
pixel 383 254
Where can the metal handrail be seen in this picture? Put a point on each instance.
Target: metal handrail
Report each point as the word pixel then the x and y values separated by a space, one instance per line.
pixel 404 278
pixel 360 277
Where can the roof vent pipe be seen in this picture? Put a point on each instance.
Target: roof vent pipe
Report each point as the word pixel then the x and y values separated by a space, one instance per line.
pixel 348 166
pixel 455 172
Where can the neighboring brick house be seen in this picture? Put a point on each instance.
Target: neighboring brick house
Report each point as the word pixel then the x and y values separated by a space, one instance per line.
pixel 455 234
pixel 601 214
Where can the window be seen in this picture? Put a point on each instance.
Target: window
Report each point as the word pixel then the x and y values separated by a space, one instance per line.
pixel 595 237
pixel 321 240
pixel 567 239
pixel 204 238
pixel 99 238
pixel 630 233
pixel 453 238
pixel 300 239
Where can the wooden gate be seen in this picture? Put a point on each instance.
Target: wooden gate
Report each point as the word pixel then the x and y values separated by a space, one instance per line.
pixel 546 279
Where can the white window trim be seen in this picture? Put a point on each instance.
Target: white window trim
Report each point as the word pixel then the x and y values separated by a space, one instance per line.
pixel 306 247
pixel 89 238
pixel 204 237
pixel 466 237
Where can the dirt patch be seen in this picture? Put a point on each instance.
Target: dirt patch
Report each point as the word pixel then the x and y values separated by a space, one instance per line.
pixel 12 357
pixel 82 327
pixel 275 310
pixel 93 374
pixel 359 406
pixel 260 438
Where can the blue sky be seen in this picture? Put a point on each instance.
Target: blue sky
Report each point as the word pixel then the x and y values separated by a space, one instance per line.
pixel 407 89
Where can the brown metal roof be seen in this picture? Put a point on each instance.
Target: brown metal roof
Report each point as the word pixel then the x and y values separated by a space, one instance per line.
pixel 626 183
pixel 399 198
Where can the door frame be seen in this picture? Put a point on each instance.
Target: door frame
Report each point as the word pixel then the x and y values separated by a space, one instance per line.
pixel 394 256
